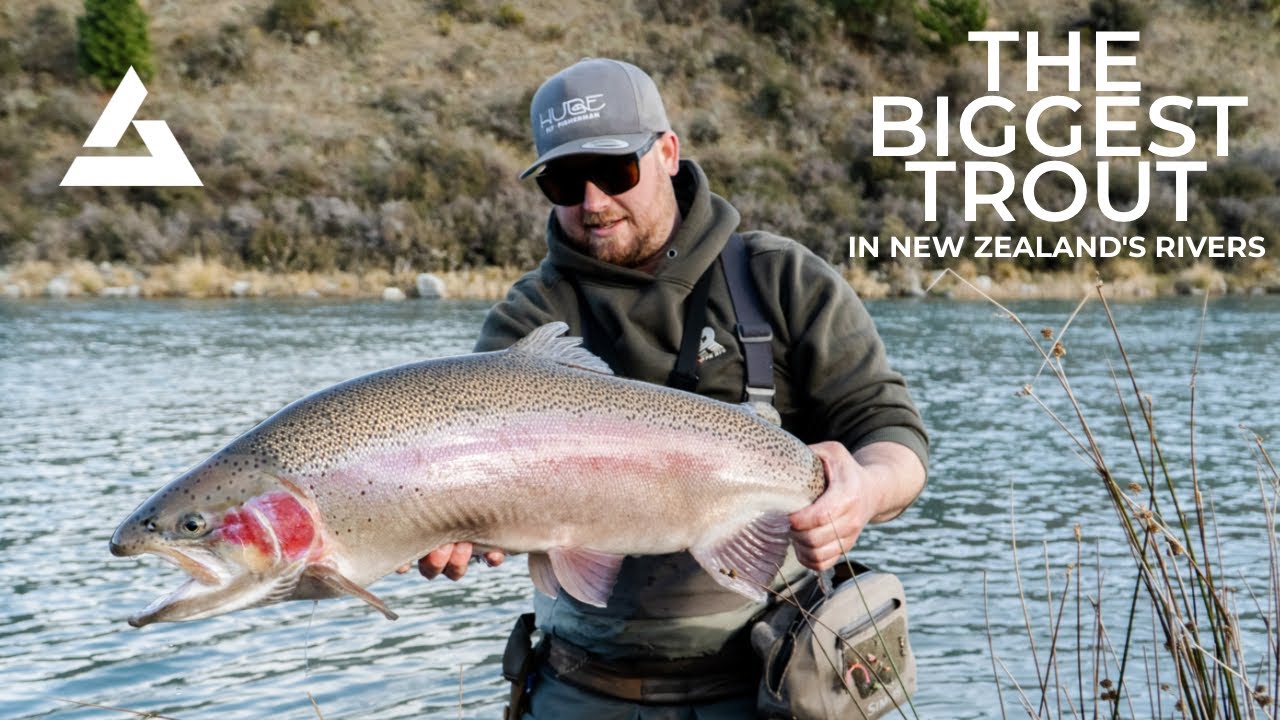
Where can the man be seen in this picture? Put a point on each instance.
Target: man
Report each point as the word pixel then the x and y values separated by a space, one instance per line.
pixel 632 230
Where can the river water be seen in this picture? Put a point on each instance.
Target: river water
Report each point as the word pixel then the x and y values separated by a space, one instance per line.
pixel 103 401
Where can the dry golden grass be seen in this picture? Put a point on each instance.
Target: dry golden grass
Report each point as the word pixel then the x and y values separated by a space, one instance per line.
pixel 202 278
pixel 479 284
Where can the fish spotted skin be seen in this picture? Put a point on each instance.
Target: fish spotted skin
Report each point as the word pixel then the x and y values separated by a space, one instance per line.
pixel 533 449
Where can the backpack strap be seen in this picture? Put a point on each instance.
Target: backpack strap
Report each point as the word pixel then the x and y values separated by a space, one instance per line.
pixel 754 332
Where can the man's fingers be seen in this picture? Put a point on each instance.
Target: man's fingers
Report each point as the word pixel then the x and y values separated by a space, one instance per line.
pixel 433 562
pixel 452 560
pixel 818 562
pixel 827 511
pixel 831 532
pixel 822 557
pixel 456 567
pixel 811 517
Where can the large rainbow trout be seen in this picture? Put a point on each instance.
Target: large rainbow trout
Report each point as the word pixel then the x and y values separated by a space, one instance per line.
pixel 535 449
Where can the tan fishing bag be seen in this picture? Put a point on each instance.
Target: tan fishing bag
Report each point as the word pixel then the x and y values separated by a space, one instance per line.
pixel 846 655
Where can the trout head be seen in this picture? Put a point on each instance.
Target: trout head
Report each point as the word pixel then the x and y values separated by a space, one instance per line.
pixel 243 534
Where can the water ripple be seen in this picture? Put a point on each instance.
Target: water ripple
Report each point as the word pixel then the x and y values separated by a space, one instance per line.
pixel 105 400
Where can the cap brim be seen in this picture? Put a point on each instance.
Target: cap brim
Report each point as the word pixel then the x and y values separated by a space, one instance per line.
pixel 605 145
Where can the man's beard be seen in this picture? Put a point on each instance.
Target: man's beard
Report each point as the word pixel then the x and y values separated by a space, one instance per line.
pixel 608 249
pixel 643 245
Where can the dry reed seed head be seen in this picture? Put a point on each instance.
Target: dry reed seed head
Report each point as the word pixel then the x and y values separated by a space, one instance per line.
pixel 1076 530
pixel 1135 488
pixel 1046 333
pixel 1024 391
pixel 1059 350
pixel 1105 683
pixel 1175 547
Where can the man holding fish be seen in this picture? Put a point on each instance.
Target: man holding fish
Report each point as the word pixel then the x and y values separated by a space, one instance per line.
pixel 637 265
pixel 657 508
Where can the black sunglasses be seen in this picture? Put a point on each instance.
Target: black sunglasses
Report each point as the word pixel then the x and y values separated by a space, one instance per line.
pixel 564 181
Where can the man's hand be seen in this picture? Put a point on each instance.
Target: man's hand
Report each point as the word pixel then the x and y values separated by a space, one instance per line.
pixel 873 485
pixel 452 559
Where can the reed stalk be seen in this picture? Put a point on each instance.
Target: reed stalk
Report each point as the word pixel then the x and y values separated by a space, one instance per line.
pixel 1167 521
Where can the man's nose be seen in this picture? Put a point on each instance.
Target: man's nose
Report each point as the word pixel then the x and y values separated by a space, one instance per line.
pixel 594 199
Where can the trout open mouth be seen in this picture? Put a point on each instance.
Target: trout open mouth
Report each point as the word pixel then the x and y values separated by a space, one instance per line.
pixel 206 589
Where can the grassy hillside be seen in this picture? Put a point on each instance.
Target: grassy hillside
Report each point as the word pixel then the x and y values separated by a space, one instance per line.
pixel 385 136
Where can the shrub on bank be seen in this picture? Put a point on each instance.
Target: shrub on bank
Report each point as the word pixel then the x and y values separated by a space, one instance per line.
pixel 112 38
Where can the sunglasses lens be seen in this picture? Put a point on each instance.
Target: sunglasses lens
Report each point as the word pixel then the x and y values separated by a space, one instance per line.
pixel 566 182
pixel 617 175
pixel 562 188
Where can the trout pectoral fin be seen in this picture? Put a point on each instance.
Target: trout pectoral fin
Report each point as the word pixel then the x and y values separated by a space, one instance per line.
pixel 544 578
pixel 587 575
pixel 329 576
pixel 746 559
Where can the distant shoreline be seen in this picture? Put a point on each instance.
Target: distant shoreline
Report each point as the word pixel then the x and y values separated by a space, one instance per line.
pixel 196 278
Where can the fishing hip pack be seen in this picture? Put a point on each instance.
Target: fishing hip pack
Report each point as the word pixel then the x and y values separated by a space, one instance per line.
pixel 837 648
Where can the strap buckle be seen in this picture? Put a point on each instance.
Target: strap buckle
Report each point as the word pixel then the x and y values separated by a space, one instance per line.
pixel 754 332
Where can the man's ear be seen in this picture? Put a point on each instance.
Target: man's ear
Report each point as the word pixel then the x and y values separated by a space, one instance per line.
pixel 669 153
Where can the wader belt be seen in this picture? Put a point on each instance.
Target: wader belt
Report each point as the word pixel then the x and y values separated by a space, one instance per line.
pixel 682 681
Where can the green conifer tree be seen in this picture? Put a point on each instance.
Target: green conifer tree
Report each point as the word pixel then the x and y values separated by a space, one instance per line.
pixel 112 38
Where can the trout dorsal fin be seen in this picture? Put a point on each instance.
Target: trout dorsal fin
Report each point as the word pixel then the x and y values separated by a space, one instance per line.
pixel 550 342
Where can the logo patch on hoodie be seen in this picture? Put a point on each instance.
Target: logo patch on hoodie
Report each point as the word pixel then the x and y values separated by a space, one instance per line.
pixel 708 348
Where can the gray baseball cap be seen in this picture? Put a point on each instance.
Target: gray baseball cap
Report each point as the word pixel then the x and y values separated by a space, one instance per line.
pixel 594 107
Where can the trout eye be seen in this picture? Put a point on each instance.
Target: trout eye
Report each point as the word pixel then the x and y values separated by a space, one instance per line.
pixel 191 524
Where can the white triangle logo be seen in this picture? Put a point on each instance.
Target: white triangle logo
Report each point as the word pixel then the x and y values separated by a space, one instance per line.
pixel 166 166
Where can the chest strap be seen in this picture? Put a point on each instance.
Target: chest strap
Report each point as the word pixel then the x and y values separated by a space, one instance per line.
pixel 754 332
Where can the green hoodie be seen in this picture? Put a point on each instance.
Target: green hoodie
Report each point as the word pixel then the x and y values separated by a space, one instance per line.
pixel 832 379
